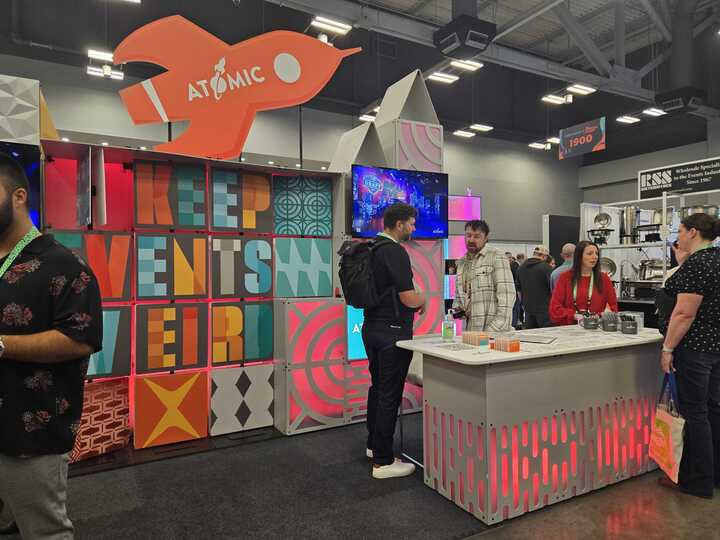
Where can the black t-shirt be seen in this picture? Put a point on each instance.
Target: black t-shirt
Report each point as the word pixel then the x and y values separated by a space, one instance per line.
pixel 700 274
pixel 46 288
pixel 391 268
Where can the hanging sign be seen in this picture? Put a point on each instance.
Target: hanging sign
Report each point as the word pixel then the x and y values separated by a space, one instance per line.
pixel 219 87
pixel 582 139
pixel 688 177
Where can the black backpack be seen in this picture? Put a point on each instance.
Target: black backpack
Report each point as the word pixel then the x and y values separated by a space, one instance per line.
pixel 356 273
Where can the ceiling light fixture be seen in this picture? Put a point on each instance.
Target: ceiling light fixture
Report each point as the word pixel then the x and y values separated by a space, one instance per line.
pixel 627 119
pixel 467 65
pixel 105 71
pixel 481 127
pixel 100 55
pixel 539 146
pixel 104 143
pixel 654 111
pixel 298 165
pixel 65 139
pixel 271 163
pixel 581 89
pixel 242 159
pixel 143 148
pixel 367 118
pixel 463 133
pixel 446 78
pixel 553 140
pixel 330 25
pixel 554 99
pixel 324 168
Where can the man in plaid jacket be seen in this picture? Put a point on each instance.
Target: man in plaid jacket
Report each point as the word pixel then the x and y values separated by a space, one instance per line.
pixel 485 289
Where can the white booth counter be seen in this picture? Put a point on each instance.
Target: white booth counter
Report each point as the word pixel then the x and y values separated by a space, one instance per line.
pixel 509 433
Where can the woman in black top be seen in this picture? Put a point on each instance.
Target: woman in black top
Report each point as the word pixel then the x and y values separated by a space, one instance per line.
pixel 692 349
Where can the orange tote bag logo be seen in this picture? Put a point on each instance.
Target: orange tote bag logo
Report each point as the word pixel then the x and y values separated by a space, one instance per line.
pixel 219 87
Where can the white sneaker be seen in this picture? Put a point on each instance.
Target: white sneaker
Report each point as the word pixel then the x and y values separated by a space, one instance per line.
pixel 368 453
pixel 394 470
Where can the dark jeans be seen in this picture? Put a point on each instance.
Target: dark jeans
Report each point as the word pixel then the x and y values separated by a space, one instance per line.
pixel 536 319
pixel 698 380
pixel 517 313
pixel 388 369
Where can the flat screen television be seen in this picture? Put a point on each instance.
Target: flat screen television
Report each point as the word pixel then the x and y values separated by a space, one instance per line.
pixel 375 188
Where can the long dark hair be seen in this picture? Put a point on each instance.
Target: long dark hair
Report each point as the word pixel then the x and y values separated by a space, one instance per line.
pixel 577 265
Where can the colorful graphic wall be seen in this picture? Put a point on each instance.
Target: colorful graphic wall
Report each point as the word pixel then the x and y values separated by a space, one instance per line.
pixel 188 280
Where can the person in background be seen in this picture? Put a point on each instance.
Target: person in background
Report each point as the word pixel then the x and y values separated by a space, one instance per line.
pixel 50 325
pixel 533 286
pixel 551 262
pixel 386 324
pixel 520 258
pixel 692 349
pixel 517 314
pixel 568 250
pixel 584 288
pixel 485 290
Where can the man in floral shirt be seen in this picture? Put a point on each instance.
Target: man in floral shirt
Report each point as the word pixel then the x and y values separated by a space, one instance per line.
pixel 50 323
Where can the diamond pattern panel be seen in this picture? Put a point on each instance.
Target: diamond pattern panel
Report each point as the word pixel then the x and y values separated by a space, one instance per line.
pixel 242 399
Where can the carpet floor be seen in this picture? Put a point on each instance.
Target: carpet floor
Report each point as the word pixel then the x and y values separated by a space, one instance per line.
pixel 316 485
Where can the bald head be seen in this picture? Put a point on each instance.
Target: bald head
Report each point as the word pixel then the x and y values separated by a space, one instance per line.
pixel 568 251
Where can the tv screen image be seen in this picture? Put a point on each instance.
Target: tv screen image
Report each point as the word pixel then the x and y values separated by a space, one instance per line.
pixel 375 188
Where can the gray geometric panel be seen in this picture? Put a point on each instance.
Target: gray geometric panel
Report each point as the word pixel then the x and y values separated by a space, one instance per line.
pixel 19 110
pixel 241 399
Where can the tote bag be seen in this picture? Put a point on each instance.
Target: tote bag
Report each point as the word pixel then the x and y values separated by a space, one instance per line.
pixel 666 440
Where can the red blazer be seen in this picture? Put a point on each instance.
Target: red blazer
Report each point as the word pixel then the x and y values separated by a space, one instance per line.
pixel 562 309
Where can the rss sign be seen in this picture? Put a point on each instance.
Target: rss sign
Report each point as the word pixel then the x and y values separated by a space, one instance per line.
pixel 208 81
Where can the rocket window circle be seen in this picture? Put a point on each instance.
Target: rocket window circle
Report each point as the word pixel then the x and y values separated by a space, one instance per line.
pixel 287 68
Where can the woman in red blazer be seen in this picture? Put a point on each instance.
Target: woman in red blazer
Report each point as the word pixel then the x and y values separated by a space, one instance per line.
pixel 583 288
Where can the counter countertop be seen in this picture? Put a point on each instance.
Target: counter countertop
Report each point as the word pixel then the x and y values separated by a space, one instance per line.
pixel 570 340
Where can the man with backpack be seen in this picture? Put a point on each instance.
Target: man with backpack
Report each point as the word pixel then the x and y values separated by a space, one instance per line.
pixel 378 277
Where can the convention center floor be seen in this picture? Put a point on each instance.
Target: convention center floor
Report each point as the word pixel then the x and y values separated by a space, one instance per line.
pixel 318 486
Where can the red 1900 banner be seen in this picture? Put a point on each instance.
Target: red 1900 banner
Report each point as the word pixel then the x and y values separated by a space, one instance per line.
pixel 583 138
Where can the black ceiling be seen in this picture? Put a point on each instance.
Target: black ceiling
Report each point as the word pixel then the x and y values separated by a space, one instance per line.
pixel 507 99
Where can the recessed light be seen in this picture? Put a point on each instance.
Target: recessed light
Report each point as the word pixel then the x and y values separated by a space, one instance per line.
pixel 467 65
pixel 627 119
pixel 367 118
pixel 324 168
pixel 242 159
pixel 100 55
pixel 581 89
pixel 446 78
pixel 481 127
pixel 143 148
pixel 553 140
pixel 298 165
pixel 554 99
pixel 463 133
pixel 65 139
pixel 330 25
pixel 271 163
pixel 117 75
pixel 104 144
pixel 654 111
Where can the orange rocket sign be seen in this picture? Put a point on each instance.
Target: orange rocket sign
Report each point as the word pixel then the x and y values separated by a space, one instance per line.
pixel 219 87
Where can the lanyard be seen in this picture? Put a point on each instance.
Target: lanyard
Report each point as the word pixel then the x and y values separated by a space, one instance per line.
pixel 31 235
pixel 590 291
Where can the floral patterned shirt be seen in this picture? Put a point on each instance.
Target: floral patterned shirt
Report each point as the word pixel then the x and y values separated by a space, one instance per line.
pixel 46 288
